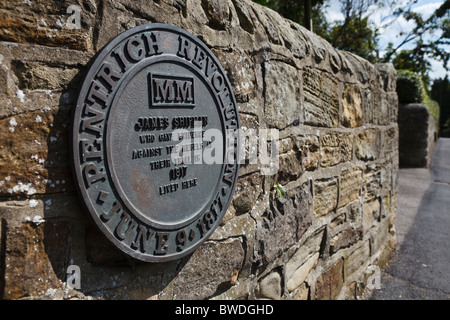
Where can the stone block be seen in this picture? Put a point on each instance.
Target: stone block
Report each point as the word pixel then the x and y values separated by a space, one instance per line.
pixel 213 266
pixel 282 94
pixel 345 239
pixel 35 258
pixel 357 258
pixel 46 23
pixel 300 275
pixel 289 168
pixel 310 151
pixel 307 250
pixel 240 71
pixel 335 148
pixel 41 76
pixel 294 39
pixel 372 181
pixel 248 190
pixel 268 19
pixel 302 293
pixel 383 235
pixel 388 76
pixel 390 138
pixel 351 116
pixel 34 157
pixel 330 283
pixel 371 213
pixel 350 186
pixel 283 224
pixel 321 106
pixel 340 219
pixel 218 13
pixel 366 145
pixel 269 287
pixel 325 196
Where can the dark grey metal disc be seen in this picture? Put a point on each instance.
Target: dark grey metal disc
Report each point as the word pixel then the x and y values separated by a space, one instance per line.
pixel 156 142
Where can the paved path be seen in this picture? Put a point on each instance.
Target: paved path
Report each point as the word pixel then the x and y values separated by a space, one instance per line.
pixel 420 268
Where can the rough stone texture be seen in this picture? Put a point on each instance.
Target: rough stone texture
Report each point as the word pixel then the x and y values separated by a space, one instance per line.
pixel 269 287
pixel 283 224
pixel 330 282
pixel 335 148
pixel 310 248
pixel 351 107
pixel 29 269
pixel 325 196
pixel 309 147
pixel 345 239
pixel 321 98
pixel 300 275
pixel 282 90
pixel 338 159
pixel 367 145
pixel 350 186
pixel 214 266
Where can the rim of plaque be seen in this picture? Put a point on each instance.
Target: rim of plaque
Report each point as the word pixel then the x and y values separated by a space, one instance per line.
pixel 155 142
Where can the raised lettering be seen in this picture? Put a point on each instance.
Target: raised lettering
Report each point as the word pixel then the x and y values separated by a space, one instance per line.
pixel 116 209
pixel 161 239
pixel 95 95
pixel 181 240
pixel 91 151
pixel 92 120
pixel 184 91
pixel 92 174
pixel 184 48
pixel 108 76
pixel 152 41
pixel 142 240
pixel 126 225
pixel 134 49
pixel 164 91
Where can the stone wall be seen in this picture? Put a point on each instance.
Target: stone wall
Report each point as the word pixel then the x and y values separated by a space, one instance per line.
pixel 418 119
pixel 338 161
pixel 417 134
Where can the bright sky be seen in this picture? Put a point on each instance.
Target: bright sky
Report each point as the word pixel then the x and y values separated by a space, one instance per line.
pixel 390 29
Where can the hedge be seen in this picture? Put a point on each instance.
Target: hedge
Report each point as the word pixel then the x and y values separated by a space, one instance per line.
pixel 411 89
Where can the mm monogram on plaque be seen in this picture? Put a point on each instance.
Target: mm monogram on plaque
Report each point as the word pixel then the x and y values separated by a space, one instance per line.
pixel 156 142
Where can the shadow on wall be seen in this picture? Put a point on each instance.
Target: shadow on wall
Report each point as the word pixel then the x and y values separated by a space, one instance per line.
pixel 417 135
pixel 70 235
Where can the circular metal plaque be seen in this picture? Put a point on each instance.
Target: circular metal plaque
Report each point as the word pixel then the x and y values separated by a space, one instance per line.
pixel 156 142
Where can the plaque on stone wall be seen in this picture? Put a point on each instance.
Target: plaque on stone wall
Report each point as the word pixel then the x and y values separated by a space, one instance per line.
pixel 155 142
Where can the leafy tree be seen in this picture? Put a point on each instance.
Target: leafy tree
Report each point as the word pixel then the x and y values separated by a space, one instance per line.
pixel 429 38
pixel 356 33
pixel 295 10
pixel 357 36
pixel 411 60
pixel 440 91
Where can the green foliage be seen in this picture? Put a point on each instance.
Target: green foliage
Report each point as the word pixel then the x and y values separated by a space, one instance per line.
pixel 356 36
pixel 411 89
pixel 280 189
pixel 294 10
pixel 429 39
pixel 440 91
pixel 407 60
